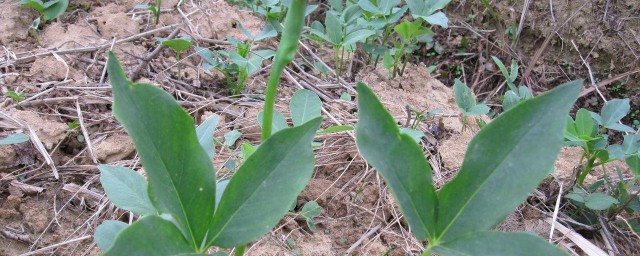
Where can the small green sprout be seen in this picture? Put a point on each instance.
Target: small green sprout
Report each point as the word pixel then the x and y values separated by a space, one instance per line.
pixel 515 94
pixel 17 96
pixel 467 102
pixel 309 211
pixel 48 10
pixel 14 138
pixel 154 9
pixel 178 45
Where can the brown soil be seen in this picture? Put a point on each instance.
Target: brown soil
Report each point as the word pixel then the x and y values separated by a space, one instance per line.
pixel 58 216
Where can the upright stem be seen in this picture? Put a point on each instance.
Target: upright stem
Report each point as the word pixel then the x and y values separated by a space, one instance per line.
pixel 157 14
pixel 284 55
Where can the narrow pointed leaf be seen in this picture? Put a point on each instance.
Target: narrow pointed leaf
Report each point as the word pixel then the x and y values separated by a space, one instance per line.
pixel 151 235
pixel 107 232
pixel 498 243
pixel 261 191
pixel 304 106
pixel 205 135
pixel 126 189
pixel 505 162
pixel 180 174
pixel 399 160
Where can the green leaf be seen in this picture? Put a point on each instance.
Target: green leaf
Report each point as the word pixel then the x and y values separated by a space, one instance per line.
pixel 260 192
pixel 15 138
pixel 107 232
pixel 35 4
pixel 466 101
pixel 413 133
pixel 334 29
pixel 620 127
pixel 502 68
pixel 399 160
pixel 585 125
pixel 510 100
pixel 357 36
pixel 150 235
pixel 504 162
pixel 614 110
pixel 220 187
pixel 370 7
pixel 514 71
pixel 336 128
pixel 310 210
pixel 279 121
pixel 498 243
pixel 599 201
pixel 345 96
pixel 305 105
pixel 204 132
pixel 178 44
pixel 126 189
pixel 180 174
pixel 231 137
pixel 438 18
pixel 634 164
pixel 247 150
pixel 55 9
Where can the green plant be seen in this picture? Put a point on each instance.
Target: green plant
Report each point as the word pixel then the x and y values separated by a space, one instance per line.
pixel 154 9
pixel 467 102
pixel 179 45
pixel 588 131
pixel 409 34
pixel 48 10
pixel 239 63
pixel 310 210
pixel 515 94
pixel 495 176
pixel 183 210
pixel 341 30
pixel 17 96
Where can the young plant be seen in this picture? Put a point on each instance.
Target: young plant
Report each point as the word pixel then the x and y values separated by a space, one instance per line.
pixel 183 210
pixel 179 45
pixel 515 94
pixel 48 10
pixel 17 96
pixel 341 31
pixel 154 9
pixel 409 35
pixel 504 162
pixel 588 131
pixel 429 11
pixel 467 102
pixel 239 63
pixel 14 138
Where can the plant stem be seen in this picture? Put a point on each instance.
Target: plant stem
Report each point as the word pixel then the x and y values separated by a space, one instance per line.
pixel 157 14
pixel 287 49
pixel 583 175
pixel 624 205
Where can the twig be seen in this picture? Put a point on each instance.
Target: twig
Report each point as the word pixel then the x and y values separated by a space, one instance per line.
pixel 607 82
pixel 608 239
pixel 362 238
pixel 44 249
pixel 555 213
pixel 136 72
pixel 85 133
pixel 84 49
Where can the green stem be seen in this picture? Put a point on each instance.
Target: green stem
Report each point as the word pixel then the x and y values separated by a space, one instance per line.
pixel 240 250
pixel 284 55
pixel 157 14
pixel 590 165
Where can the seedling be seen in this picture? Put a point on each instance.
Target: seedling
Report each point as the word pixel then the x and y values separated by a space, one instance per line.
pixel 183 210
pixel 467 102
pixel 309 211
pixel 588 131
pixel 154 9
pixel 48 10
pixel 515 94
pixel 505 162
pixel 239 63
pixel 409 35
pixel 429 11
pixel 17 96
pixel 179 45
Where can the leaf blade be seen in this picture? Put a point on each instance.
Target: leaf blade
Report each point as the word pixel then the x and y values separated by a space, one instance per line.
pixel 151 235
pixel 126 189
pixel 499 244
pixel 305 105
pixel 531 136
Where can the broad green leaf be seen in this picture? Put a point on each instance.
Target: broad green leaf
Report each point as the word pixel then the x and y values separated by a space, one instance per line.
pixel 247 150
pixel 205 135
pixel 620 127
pixel 267 32
pixel 387 60
pixel 466 101
pixel 310 210
pixel 220 187
pixel 438 18
pixel 260 192
pixel 350 14
pixel 334 29
pixel 107 232
pixel 368 6
pixel 279 121
pixel 126 189
pixel 178 44
pixel 504 162
pixel 231 137
pixel 357 36
pixel 634 164
pixel 479 109
pixel 337 128
pixel 399 160
pixel 15 138
pixel 585 125
pixel 304 106
pixel 180 174
pixel 498 243
pixel 599 201
pixel 510 100
pixel 345 96
pixel 413 133
pixel 614 110
pixel 35 4
pixel 55 9
pixel 150 235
